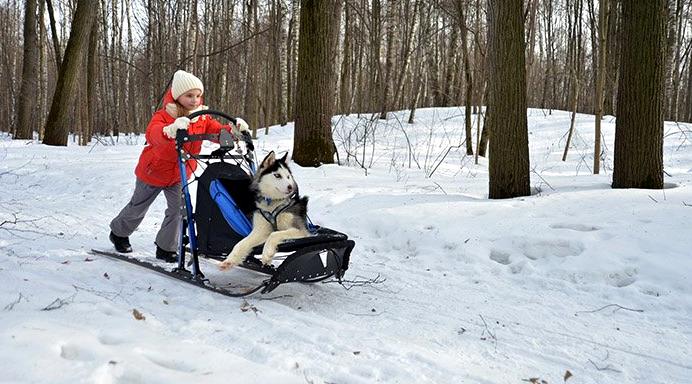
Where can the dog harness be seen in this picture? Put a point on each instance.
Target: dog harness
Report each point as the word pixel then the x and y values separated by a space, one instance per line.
pixel 271 217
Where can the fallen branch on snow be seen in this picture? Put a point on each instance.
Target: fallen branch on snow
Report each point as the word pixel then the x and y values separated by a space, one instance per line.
pixel 492 335
pixel 348 284
pixel 11 305
pixel 59 303
pixel 606 368
pixel 617 307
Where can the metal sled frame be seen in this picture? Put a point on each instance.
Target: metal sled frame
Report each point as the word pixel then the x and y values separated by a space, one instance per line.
pixel 310 260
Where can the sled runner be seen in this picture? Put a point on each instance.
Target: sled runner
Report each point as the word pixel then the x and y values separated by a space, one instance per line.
pixel 221 216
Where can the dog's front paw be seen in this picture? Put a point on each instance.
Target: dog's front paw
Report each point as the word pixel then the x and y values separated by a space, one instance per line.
pixel 226 265
pixel 229 263
pixel 267 259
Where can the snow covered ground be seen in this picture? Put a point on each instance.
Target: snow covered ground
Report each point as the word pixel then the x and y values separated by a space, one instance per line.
pixel 578 282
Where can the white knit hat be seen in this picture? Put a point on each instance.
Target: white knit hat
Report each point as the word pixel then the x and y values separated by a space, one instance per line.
pixel 183 82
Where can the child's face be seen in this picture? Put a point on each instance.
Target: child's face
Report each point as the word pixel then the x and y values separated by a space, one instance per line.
pixel 190 99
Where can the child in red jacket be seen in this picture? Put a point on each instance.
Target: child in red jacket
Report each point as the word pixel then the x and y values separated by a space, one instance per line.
pixel 157 169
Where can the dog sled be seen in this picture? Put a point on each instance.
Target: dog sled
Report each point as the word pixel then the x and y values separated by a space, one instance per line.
pixel 221 217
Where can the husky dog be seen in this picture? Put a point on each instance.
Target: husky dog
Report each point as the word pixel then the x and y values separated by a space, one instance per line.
pixel 280 213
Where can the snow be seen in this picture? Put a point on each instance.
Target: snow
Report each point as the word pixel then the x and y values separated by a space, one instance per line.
pixel 578 277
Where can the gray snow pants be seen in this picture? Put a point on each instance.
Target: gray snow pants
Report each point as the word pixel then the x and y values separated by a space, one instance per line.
pixel 132 215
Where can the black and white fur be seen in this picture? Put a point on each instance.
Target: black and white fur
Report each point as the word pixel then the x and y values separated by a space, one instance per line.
pixel 276 192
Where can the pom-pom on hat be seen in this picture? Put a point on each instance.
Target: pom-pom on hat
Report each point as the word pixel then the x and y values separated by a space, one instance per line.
pixel 183 82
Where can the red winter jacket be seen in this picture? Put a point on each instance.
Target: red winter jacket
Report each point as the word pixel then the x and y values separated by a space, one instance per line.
pixel 158 163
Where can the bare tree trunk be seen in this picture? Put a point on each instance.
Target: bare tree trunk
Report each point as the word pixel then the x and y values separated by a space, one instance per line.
pixel 375 72
pixel 575 70
pixel 58 122
pixel 92 67
pixel 638 158
pixel 532 7
pixel 485 135
pixel 688 100
pixel 449 70
pixel 612 57
pixel 409 22
pixel 251 108
pixel 509 147
pixel 600 81
pixel 389 61
pixel 42 95
pixel 290 60
pixel 54 33
pixel 549 79
pixel 674 107
pixel 421 58
pixel 345 86
pixel 469 80
pixel 29 87
pixel 313 144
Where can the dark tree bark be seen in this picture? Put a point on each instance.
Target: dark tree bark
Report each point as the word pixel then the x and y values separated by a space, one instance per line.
pixel 389 62
pixel 375 70
pixel 575 72
pixel 600 81
pixel 612 56
pixel 509 144
pixel 91 70
pixel 313 144
pixel 468 79
pixel 345 86
pixel 638 157
pixel 290 60
pixel 29 86
pixel 54 33
pixel 251 107
pixel 58 122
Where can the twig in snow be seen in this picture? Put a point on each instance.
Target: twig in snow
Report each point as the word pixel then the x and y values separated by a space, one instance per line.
pixel 12 172
pixel 618 307
pixel 652 198
pixel 542 179
pixel 439 186
pixel 686 204
pixel 59 303
pixel 492 335
pixel 10 226
pixel 104 294
pixel 348 284
pixel 606 368
pixel 11 305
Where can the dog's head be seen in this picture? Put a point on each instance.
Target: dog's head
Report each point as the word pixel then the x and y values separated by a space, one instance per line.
pixel 274 179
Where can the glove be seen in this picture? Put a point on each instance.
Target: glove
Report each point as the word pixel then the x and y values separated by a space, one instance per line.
pixel 179 123
pixel 244 129
pixel 242 126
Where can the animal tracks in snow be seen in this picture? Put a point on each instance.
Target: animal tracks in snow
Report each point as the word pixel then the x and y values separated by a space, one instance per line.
pixel 623 278
pixel 541 249
pixel 501 257
pixel 538 249
pixel 76 352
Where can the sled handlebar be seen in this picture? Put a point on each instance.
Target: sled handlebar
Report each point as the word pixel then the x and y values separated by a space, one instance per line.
pixel 212 112
pixel 182 135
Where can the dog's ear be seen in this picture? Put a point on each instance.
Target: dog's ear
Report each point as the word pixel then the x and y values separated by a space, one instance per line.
pixel 283 159
pixel 268 160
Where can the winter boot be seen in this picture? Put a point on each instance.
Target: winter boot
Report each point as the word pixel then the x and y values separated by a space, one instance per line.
pixel 122 244
pixel 167 256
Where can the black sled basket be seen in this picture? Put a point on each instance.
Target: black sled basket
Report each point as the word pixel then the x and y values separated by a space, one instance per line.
pixel 224 202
